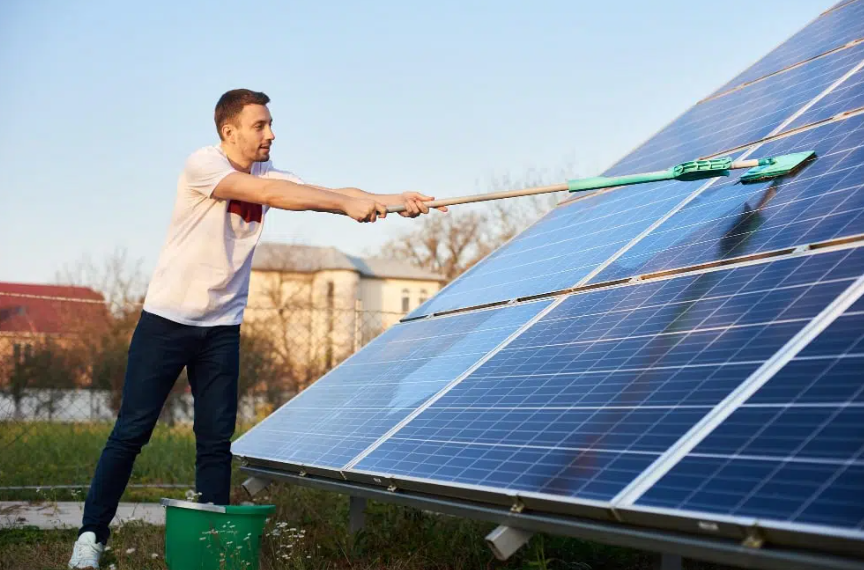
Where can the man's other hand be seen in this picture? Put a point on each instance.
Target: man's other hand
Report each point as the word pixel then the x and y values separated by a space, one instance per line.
pixel 364 210
pixel 415 204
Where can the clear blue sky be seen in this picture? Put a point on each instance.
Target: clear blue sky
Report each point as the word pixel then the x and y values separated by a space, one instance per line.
pixel 102 103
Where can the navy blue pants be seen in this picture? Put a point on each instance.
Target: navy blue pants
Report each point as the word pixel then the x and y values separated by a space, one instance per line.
pixel 159 350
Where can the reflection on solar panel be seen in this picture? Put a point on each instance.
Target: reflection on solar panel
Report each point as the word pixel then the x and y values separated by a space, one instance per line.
pixel 562 248
pixel 794 452
pixel 697 362
pixel 370 393
pixel 825 200
pixel 591 394
pixel 740 117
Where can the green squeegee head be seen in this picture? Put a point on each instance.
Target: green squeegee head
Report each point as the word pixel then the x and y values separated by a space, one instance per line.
pixel 778 166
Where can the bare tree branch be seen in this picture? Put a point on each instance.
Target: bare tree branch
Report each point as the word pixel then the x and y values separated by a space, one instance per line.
pixel 452 243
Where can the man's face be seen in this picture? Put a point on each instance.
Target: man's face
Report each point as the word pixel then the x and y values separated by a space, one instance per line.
pixel 253 134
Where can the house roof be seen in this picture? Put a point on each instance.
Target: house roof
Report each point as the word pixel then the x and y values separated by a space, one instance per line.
pixel 35 308
pixel 311 259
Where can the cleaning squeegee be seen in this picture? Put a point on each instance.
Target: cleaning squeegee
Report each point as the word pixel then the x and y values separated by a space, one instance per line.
pixel 759 170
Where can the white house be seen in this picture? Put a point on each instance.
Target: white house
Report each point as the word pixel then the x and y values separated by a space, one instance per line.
pixel 322 304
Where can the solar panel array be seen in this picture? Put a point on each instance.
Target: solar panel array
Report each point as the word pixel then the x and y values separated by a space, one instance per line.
pixel 794 451
pixel 358 402
pixel 697 354
pixel 590 395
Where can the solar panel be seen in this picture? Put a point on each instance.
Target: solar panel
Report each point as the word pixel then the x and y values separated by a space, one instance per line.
pixel 829 31
pixel 348 409
pixel 824 201
pixel 846 97
pixel 562 248
pixel 742 116
pixel 576 238
pixel 794 451
pixel 595 391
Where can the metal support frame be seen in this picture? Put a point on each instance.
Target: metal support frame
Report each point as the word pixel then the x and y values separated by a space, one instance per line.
pixel 692 546
pixel 356 514
pixel 665 561
pixel 254 485
pixel 504 541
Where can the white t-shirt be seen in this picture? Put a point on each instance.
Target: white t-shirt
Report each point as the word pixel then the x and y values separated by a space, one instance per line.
pixel 202 276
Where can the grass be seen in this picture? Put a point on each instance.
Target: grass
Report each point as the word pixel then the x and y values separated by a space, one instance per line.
pixel 309 532
pixel 44 454
pixel 394 537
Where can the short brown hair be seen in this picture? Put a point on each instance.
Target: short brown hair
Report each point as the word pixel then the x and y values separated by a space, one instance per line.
pixel 232 102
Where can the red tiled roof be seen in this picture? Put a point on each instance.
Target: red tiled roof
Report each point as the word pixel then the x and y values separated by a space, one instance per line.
pixel 60 309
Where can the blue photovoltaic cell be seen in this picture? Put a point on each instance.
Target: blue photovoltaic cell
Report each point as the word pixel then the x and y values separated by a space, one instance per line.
pixel 794 452
pixel 358 402
pixel 823 201
pixel 825 33
pixel 740 117
pixel 590 395
pixel 562 248
pixel 847 96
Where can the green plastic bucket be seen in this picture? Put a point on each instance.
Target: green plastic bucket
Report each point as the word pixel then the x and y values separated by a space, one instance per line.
pixel 213 537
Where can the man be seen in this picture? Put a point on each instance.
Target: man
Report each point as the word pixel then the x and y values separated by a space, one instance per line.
pixel 196 299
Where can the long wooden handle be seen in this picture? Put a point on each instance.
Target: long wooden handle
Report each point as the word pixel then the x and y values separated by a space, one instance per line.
pixel 572 185
pixel 488 196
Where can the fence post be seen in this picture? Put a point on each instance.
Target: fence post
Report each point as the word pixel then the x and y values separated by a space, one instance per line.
pixel 358 308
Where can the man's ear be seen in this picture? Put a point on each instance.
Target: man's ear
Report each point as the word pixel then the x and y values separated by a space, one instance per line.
pixel 227 131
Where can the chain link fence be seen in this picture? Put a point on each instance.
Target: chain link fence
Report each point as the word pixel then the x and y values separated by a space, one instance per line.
pixel 63 360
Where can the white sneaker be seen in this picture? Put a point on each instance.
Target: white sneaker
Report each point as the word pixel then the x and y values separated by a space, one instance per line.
pixel 87 552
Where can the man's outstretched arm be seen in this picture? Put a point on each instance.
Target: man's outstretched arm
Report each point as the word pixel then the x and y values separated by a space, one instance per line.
pixel 287 195
pixel 414 202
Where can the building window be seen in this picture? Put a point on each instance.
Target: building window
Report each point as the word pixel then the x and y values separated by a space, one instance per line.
pixel 406 300
pixel 423 296
pixel 331 294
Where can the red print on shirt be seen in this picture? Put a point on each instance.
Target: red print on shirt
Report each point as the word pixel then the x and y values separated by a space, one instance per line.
pixel 246 210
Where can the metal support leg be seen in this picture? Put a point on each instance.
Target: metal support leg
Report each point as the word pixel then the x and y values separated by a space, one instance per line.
pixel 356 514
pixel 504 541
pixel 255 485
pixel 665 561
